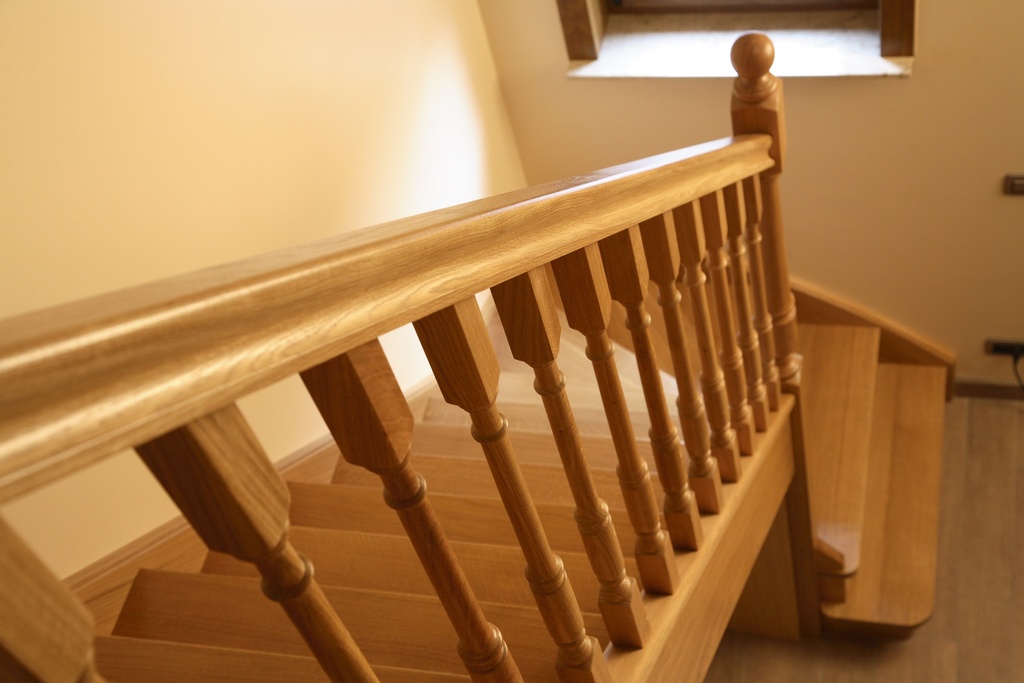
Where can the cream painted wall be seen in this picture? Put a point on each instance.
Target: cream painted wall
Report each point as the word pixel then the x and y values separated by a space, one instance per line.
pixel 145 139
pixel 891 196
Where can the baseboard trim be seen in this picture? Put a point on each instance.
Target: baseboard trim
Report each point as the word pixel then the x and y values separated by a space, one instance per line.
pixel 1005 392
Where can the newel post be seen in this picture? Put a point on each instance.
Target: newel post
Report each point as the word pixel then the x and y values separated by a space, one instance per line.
pixel 758 108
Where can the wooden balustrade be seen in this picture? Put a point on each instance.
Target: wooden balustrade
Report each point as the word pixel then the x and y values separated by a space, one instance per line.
pixel 712 212
pixel 690 230
pixel 217 473
pixel 757 107
pixel 661 248
pixel 762 318
pixel 45 632
pixel 735 215
pixel 466 369
pixel 530 319
pixel 367 414
pixel 586 301
pixel 626 270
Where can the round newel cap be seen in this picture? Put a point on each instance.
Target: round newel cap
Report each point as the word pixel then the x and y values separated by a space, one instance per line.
pixel 752 56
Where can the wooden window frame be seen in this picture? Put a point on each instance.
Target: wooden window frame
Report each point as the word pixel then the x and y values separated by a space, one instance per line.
pixel 583 21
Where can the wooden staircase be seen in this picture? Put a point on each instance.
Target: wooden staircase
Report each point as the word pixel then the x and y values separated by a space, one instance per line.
pixel 884 419
pixel 803 495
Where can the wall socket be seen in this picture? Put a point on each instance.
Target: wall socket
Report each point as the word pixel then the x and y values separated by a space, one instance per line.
pixel 1004 348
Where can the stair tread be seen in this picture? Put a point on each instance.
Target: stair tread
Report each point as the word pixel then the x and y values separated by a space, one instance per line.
pixel 894 588
pixel 531 447
pixel 395 630
pixel 136 660
pixel 383 562
pixel 464 518
pixel 838 392
pixel 449 474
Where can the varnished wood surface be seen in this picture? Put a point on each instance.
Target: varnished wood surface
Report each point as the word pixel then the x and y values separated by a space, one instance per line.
pixel 397 630
pixel 976 633
pixel 838 393
pixel 134 660
pixel 184 346
pixel 893 591
pixel 897 344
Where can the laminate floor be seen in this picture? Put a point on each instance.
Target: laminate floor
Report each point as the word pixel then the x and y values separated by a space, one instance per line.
pixel 977 631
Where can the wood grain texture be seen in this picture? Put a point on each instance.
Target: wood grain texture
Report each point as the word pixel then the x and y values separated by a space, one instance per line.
pixel 661 247
pixel 175 546
pixel 689 625
pixel 838 393
pixel 187 345
pixel 45 633
pixel 134 660
pixel 692 248
pixel 897 344
pixel 583 28
pixel 626 269
pixel 532 330
pixel 223 611
pixel 359 398
pixel 894 589
pixel 586 299
pixel 758 289
pixel 896 22
pixel 712 208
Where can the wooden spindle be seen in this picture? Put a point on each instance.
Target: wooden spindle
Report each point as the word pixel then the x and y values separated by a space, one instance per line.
pixel 690 231
pixel 757 107
pixel 466 369
pixel 364 408
pixel 530 320
pixel 45 632
pixel 587 304
pixel 661 247
pixel 626 270
pixel 735 218
pixel 217 473
pixel 713 213
pixel 762 318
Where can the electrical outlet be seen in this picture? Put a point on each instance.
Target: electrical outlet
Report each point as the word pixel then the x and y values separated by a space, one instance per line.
pixel 1004 348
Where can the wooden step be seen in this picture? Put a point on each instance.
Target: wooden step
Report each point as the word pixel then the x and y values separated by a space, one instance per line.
pixel 380 562
pixel 838 393
pixel 134 660
pixel 395 630
pixel 464 518
pixel 894 589
pixel 446 474
pixel 531 447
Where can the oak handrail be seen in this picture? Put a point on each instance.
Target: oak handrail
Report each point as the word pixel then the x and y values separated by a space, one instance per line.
pixel 187 345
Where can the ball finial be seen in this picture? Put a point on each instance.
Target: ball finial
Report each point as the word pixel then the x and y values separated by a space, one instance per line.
pixel 752 56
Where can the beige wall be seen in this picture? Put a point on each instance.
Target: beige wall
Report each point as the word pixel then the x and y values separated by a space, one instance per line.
pixel 144 139
pixel 892 191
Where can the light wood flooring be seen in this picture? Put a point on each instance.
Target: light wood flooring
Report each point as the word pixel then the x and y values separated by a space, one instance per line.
pixel 977 631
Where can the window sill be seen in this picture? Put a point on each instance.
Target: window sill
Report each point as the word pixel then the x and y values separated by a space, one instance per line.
pixel 829 44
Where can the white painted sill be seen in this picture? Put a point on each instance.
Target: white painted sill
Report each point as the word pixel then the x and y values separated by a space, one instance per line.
pixel 829 44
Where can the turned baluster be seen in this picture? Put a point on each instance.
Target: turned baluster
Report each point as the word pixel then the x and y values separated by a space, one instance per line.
pixel 712 211
pixel 735 218
pixel 762 318
pixel 626 270
pixel 757 107
pixel 530 320
pixel 661 247
pixel 45 632
pixel 217 473
pixel 364 408
pixel 690 231
pixel 587 305
pixel 466 369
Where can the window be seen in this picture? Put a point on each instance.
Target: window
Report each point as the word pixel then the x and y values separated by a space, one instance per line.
pixel 584 21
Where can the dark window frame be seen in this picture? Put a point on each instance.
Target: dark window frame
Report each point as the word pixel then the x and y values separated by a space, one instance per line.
pixel 583 21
